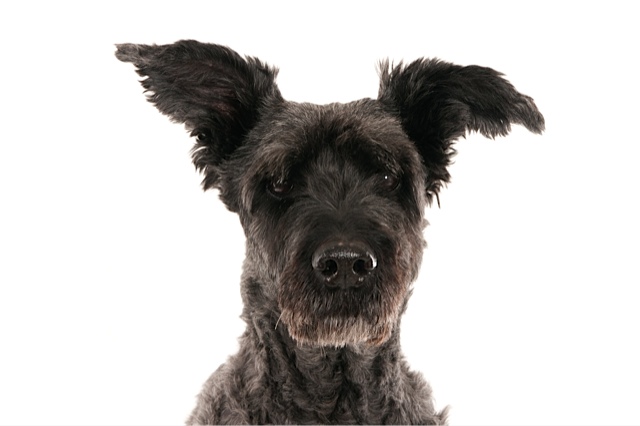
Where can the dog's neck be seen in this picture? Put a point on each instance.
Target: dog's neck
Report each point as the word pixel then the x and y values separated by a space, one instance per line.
pixel 350 364
pixel 344 382
pixel 360 383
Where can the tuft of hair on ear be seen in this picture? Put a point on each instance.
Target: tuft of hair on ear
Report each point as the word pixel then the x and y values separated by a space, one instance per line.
pixel 211 89
pixel 438 102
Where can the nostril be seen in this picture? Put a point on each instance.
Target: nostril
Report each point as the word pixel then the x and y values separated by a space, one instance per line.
pixel 330 268
pixel 359 267
pixel 363 266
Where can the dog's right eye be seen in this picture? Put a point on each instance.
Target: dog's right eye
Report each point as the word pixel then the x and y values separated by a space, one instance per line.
pixel 203 136
pixel 280 188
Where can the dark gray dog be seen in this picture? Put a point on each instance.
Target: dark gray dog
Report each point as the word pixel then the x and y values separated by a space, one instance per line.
pixel 332 199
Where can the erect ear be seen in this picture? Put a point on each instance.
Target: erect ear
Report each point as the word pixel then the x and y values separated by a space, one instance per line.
pixel 438 102
pixel 215 92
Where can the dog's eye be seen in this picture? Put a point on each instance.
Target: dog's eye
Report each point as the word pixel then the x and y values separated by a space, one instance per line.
pixel 280 188
pixel 389 182
pixel 203 136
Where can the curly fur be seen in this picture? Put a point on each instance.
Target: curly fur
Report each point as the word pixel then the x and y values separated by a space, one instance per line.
pixel 340 181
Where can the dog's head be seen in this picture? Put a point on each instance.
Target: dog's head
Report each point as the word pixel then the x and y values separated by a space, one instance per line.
pixel 331 197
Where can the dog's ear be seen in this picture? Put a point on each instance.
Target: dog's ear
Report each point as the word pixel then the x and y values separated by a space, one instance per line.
pixel 215 92
pixel 438 102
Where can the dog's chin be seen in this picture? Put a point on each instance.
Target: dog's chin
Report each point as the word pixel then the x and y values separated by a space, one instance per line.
pixel 328 317
pixel 337 332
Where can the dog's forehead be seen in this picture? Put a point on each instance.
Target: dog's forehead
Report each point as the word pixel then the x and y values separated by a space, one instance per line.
pixel 298 132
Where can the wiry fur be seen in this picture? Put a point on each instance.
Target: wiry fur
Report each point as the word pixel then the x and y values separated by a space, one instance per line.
pixel 332 182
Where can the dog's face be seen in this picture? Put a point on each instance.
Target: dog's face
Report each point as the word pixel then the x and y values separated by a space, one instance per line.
pixel 331 197
pixel 331 200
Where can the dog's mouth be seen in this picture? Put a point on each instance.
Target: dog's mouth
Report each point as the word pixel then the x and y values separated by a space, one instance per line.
pixel 340 291
pixel 340 312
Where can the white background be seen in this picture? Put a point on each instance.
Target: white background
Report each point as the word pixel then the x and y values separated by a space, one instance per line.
pixel 119 277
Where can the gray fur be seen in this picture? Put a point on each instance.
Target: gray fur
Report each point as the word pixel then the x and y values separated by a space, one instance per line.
pixel 332 202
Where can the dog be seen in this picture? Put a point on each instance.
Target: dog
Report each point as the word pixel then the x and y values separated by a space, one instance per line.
pixel 331 199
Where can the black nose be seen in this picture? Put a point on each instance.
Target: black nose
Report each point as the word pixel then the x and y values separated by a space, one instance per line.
pixel 344 265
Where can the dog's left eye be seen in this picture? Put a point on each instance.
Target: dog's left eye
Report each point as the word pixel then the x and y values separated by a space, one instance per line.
pixel 389 182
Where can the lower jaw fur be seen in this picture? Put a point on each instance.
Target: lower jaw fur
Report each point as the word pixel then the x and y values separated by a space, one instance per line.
pixel 337 332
